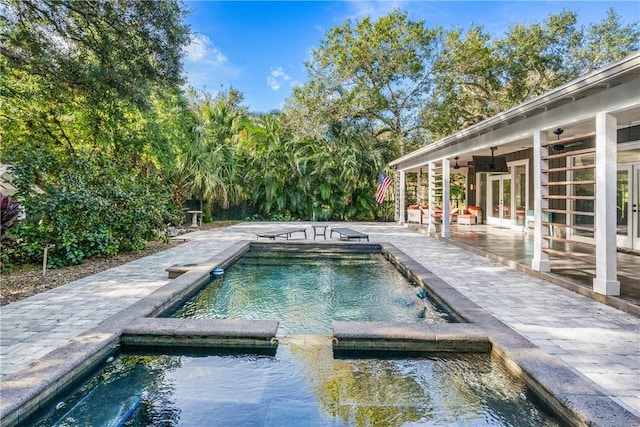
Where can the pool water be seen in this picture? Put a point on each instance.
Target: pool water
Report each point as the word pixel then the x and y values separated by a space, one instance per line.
pixel 307 292
pixel 302 385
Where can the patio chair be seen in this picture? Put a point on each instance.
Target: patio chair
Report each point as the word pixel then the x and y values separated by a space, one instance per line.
pixel 282 233
pixel 470 216
pixel 349 234
pixel 413 214
pixel 453 212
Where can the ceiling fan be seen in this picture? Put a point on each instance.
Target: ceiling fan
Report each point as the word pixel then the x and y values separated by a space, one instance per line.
pixel 560 146
pixel 558 132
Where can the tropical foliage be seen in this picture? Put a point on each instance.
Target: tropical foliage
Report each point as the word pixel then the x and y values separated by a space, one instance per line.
pixel 208 168
pixel 328 177
pixel 9 211
pixel 94 113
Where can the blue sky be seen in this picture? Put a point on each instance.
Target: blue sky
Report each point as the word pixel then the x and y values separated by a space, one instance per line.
pixel 260 47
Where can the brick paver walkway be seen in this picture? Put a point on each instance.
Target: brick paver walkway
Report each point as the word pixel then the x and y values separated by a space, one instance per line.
pixel 597 341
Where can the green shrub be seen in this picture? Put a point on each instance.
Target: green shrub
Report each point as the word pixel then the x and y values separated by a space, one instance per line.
pixel 94 210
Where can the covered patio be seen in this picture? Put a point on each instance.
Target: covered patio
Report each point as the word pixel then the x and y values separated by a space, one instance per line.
pixel 535 171
pixel 511 248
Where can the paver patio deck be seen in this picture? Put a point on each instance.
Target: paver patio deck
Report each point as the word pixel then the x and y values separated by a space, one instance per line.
pixel 597 341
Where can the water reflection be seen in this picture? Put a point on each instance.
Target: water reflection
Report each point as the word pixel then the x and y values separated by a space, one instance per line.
pixel 460 389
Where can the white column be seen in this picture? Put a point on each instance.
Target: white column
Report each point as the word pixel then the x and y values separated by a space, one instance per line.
pixel 396 196
pixel 477 201
pixel 403 209
pixel 446 227
pixel 540 261
pixel 606 282
pixel 418 185
pixel 431 229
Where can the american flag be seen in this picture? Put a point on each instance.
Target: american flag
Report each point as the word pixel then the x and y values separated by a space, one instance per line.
pixel 384 182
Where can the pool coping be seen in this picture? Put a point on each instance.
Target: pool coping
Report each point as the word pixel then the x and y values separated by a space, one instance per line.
pixel 571 396
pixel 200 333
pixel 410 337
pixel 33 387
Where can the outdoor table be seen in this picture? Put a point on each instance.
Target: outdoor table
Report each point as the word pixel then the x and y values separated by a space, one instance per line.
pixel 320 230
pixel 194 217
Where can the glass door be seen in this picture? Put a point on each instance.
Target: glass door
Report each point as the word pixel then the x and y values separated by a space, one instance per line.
pixel 628 206
pixel 500 209
pixel 520 193
pixel 635 207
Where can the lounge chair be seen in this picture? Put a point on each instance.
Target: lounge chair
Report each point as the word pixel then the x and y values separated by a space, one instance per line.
pixel 471 215
pixel 413 214
pixel 349 234
pixel 282 233
pixel 453 213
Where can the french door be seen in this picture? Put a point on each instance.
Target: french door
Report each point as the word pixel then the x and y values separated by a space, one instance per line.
pixel 628 206
pixel 499 196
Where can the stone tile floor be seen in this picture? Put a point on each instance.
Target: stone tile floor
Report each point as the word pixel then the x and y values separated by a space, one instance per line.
pixel 597 341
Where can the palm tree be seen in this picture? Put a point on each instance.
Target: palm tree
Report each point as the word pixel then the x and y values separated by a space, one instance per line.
pixel 353 156
pixel 270 171
pixel 208 168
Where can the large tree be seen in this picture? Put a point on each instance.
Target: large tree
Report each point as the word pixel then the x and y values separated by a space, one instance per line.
pixel 604 42
pixel 91 111
pixel 377 72
pixel 478 76
pixel 75 71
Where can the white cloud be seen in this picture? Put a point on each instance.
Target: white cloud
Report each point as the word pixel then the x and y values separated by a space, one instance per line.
pixel 201 49
pixel 211 74
pixel 358 9
pixel 277 78
pixel 206 67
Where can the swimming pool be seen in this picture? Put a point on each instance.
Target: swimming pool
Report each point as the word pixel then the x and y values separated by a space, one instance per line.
pixel 303 384
pixel 306 292
pixel 381 342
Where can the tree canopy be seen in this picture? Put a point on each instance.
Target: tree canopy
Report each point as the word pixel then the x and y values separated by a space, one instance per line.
pixel 99 48
pixel 413 83
pixel 377 72
pixel 77 73
pixel 477 76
